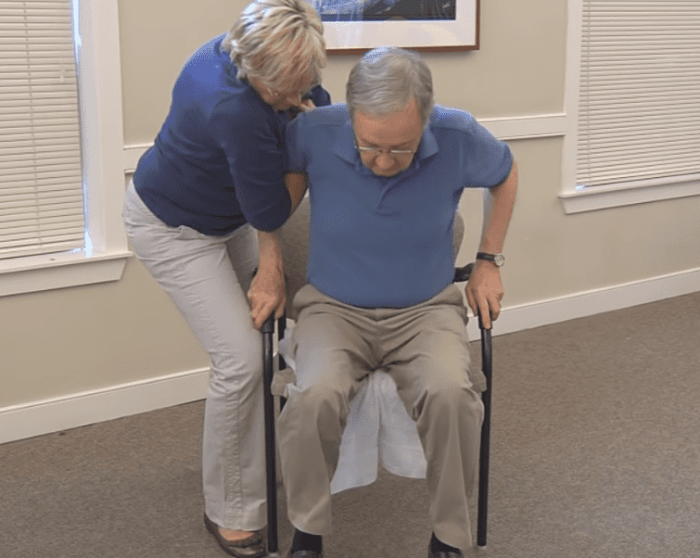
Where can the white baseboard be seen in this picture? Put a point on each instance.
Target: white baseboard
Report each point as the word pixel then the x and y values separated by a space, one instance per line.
pixel 80 409
pixel 44 417
pixel 590 303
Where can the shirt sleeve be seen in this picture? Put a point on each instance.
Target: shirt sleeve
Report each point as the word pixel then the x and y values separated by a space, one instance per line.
pixel 252 142
pixel 320 96
pixel 490 160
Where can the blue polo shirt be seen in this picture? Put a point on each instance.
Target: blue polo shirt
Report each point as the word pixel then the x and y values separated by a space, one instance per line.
pixel 217 160
pixel 378 242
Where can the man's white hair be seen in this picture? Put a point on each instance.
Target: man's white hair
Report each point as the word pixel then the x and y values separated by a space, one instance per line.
pixel 386 79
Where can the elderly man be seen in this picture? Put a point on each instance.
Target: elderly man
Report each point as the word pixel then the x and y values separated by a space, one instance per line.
pixel 385 173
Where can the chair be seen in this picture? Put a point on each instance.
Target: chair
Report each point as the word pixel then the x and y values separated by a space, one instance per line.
pixel 294 240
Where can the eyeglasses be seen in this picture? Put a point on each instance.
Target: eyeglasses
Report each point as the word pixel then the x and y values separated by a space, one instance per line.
pixel 375 151
pixel 372 153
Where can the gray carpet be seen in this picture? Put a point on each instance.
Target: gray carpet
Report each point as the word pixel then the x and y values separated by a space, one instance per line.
pixel 595 453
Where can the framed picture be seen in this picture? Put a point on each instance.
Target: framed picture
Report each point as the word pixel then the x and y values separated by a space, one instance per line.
pixel 355 26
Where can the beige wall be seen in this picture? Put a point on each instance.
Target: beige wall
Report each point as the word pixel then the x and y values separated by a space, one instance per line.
pixel 63 342
pixel 518 70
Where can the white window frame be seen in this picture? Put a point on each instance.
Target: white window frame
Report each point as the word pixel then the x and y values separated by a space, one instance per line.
pixel 577 199
pixel 102 143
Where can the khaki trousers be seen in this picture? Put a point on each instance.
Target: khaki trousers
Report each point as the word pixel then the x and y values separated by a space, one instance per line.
pixel 424 348
pixel 207 278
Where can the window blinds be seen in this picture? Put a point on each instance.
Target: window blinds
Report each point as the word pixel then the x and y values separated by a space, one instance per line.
pixel 639 98
pixel 41 194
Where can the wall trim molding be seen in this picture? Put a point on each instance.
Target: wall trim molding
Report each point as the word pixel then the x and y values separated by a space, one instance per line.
pixel 37 418
pixel 504 128
pixel 80 409
pixel 132 154
pixel 535 126
pixel 61 270
pixel 601 197
pixel 592 302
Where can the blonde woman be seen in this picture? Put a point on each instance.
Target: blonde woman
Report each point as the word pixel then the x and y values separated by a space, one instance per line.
pixel 201 213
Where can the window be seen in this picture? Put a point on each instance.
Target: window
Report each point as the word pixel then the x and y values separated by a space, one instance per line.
pixel 90 245
pixel 632 96
pixel 41 194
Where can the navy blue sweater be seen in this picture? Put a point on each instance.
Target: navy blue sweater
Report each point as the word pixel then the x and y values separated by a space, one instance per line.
pixel 217 161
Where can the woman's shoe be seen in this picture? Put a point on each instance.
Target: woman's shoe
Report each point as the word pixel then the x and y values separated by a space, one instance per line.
pixel 250 547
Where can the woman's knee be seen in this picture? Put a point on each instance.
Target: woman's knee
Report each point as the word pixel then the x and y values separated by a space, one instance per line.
pixel 238 362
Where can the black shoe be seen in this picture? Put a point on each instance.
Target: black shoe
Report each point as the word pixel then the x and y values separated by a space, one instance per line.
pixel 306 545
pixel 250 547
pixel 443 554
pixel 305 554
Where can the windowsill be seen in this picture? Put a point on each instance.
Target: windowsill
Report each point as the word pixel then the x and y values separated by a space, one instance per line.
pixel 604 197
pixel 57 271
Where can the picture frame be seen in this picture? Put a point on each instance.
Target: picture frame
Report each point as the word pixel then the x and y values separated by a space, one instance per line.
pixel 356 26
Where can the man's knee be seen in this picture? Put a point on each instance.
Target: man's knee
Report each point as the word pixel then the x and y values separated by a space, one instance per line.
pixel 321 399
pixel 451 398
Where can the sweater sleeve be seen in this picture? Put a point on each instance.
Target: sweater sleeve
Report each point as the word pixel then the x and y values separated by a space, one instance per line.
pixel 320 96
pixel 250 135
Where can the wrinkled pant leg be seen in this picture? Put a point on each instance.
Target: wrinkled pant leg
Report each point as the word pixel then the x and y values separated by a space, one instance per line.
pixel 449 425
pixel 432 376
pixel 331 367
pixel 207 277
pixel 234 459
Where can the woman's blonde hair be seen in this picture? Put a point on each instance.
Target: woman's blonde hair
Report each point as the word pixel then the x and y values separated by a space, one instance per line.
pixel 280 43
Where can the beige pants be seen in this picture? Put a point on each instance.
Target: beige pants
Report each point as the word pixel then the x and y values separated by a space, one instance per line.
pixel 424 348
pixel 207 278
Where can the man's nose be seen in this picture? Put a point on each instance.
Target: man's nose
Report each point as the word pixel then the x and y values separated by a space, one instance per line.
pixel 384 161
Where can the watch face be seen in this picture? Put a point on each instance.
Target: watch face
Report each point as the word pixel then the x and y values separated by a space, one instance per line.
pixel 497 259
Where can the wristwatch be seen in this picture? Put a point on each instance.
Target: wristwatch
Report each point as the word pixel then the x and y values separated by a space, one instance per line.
pixel 497 259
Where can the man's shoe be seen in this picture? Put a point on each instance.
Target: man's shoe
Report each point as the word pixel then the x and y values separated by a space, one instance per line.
pixel 443 554
pixel 250 547
pixel 305 554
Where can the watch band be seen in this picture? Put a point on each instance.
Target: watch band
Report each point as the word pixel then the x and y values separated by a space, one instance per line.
pixel 496 259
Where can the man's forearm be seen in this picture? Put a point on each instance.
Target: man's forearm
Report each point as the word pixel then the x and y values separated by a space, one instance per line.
pixel 485 290
pixel 498 208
